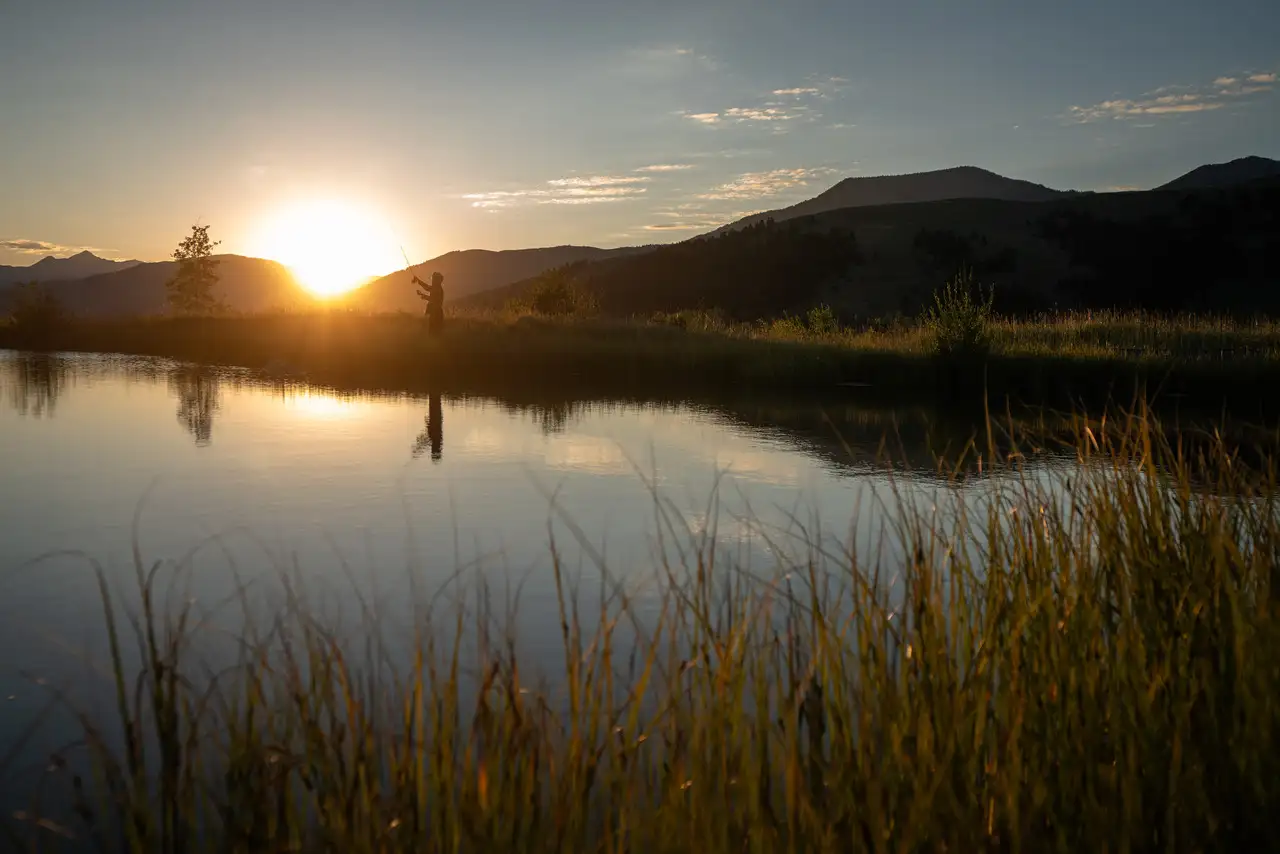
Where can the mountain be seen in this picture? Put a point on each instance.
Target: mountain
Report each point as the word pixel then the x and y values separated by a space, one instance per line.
pixel 245 284
pixel 1202 250
pixel 471 272
pixel 51 269
pixel 960 182
pixel 1216 175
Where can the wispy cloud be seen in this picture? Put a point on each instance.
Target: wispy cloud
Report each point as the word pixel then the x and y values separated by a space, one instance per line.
pixel 780 106
pixel 755 185
pixel 1175 100
pixel 704 118
pixel 688 217
pixel 763 114
pixel 25 246
pixel 575 190
pixel 597 181
pixel 667 167
pixel 739 115
pixel 692 225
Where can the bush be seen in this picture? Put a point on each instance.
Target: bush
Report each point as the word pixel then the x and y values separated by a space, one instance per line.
pixel 822 320
pixel 36 313
pixel 554 294
pixel 960 318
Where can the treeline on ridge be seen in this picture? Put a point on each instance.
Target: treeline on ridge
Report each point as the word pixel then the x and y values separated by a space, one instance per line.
pixel 1206 250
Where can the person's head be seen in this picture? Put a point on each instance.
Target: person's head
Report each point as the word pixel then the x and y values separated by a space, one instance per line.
pixel 436 278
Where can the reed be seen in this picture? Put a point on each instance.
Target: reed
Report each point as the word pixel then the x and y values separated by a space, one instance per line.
pixel 1085 662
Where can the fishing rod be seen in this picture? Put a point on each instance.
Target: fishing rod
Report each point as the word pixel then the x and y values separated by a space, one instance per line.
pixel 408 265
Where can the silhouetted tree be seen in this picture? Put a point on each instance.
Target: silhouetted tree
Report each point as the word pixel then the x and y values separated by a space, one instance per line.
pixel 36 313
pixel 190 290
pixel 760 270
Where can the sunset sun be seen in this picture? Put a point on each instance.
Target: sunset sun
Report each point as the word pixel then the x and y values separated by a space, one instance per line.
pixel 331 246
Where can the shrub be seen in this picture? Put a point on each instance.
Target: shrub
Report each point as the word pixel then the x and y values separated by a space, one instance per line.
pixel 554 294
pixel 36 312
pixel 960 318
pixel 822 320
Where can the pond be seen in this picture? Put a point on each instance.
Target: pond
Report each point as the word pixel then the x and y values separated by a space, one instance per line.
pixel 370 502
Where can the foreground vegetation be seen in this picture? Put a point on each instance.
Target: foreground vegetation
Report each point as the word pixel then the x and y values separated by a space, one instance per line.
pixel 1086 664
pixel 956 354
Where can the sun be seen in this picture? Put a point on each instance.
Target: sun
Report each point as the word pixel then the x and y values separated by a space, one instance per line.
pixel 331 246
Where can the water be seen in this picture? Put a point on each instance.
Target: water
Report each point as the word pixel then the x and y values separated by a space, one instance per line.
pixel 391 499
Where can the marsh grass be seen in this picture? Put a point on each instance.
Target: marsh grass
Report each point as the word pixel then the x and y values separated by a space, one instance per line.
pixel 1090 663
pixel 1064 361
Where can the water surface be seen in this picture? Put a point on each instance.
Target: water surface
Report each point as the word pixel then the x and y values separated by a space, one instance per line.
pixel 120 462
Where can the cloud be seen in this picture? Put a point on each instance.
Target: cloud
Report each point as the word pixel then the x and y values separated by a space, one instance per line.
pixel 667 167
pixel 765 114
pixel 754 185
pixel 794 105
pixel 700 225
pixel 24 246
pixel 596 181
pixel 689 217
pixel 576 190
pixel 738 115
pixel 1173 100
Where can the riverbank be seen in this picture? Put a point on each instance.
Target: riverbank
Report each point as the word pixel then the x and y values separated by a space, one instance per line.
pixel 1063 363
pixel 1095 673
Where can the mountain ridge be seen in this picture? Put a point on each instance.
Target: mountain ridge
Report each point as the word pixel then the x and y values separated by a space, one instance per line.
pixel 1242 170
pixel 956 182
pixel 53 269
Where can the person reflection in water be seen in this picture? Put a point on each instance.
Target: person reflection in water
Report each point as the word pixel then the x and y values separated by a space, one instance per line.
pixel 433 435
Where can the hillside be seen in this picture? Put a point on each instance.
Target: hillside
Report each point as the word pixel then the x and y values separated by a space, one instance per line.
pixel 51 269
pixel 961 182
pixel 1239 171
pixel 1200 250
pixel 471 272
pixel 245 284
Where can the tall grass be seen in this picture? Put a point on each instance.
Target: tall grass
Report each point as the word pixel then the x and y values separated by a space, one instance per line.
pixel 1063 362
pixel 1085 663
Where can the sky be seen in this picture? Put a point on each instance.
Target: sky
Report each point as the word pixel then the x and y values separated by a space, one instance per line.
pixel 503 124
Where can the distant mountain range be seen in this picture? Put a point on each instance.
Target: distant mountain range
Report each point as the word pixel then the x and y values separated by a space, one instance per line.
pixel 51 269
pixel 1240 171
pixel 246 284
pixel 908 227
pixel 892 241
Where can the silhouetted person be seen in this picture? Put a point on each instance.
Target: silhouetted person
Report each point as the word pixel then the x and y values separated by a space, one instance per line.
pixel 434 434
pixel 434 297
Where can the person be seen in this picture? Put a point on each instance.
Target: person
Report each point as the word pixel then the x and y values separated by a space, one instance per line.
pixel 434 297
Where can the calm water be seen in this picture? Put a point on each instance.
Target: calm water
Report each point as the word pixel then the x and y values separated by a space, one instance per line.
pixel 391 498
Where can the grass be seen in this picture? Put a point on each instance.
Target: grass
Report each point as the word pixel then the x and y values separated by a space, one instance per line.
pixel 1064 361
pixel 1091 664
